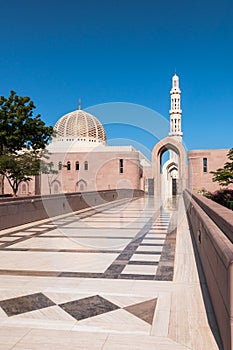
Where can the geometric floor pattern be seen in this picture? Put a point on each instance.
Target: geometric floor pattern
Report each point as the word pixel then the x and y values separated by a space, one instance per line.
pixel 144 310
pixel 27 303
pixel 102 280
pixel 138 248
pixel 88 307
pixel 79 309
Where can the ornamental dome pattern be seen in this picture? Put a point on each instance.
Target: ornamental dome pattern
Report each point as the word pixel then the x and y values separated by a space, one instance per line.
pixel 79 126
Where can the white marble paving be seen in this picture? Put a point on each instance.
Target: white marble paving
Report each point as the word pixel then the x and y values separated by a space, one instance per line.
pixel 180 320
pixel 72 243
pixel 8 239
pixel 145 257
pixel 118 320
pixel 140 269
pixel 153 241
pixel 155 234
pixel 104 232
pixel 149 249
pixel 80 262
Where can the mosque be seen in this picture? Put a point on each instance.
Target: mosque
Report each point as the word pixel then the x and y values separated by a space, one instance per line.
pixel 85 162
pixel 82 160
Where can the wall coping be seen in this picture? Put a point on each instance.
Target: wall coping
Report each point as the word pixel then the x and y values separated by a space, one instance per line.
pixel 222 216
pixel 222 244
pixel 26 199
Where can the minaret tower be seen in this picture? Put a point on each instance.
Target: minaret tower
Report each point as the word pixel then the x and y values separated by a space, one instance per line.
pixel 175 111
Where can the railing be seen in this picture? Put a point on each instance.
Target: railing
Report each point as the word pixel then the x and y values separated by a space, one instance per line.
pixel 222 216
pixel 216 254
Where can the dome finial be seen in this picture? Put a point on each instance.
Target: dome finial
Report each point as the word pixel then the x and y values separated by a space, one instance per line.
pixel 79 104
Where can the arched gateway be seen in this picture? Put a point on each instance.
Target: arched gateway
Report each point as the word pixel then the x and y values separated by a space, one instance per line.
pixel 170 178
pixel 174 171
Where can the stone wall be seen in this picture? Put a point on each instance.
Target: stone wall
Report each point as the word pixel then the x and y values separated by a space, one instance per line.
pixel 198 178
pixel 222 216
pixel 103 171
pixel 216 254
pixel 19 211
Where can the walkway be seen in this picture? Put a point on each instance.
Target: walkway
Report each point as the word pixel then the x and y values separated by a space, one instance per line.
pixel 123 277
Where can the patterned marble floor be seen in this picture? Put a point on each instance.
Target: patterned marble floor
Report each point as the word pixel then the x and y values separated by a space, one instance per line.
pixel 110 278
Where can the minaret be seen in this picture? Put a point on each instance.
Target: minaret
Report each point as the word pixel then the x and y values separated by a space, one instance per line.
pixel 175 111
pixel 79 103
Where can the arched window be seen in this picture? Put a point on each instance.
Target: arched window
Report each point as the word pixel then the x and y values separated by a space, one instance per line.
pixel 86 165
pixel 59 165
pixel 121 166
pixel 68 165
pixel 24 188
pixel 77 165
pixel 56 189
pixel 204 165
pixel 81 187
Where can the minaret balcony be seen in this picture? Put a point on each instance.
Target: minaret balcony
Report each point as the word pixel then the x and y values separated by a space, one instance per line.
pixel 175 111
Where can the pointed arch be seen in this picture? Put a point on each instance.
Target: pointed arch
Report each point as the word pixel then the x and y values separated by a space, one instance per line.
pixel 168 143
pixel 24 188
pixel 55 187
pixel 81 185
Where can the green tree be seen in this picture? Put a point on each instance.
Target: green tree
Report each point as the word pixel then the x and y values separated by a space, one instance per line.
pixel 17 168
pixel 20 167
pixel 20 131
pixel 224 176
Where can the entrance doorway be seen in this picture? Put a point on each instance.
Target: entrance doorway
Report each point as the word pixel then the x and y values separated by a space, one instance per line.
pixel 170 177
pixel 174 187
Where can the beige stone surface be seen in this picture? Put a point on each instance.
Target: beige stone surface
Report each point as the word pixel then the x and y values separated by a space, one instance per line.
pixel 198 179
pixel 180 319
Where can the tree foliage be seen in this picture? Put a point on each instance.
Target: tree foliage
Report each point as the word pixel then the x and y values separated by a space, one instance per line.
pixel 17 168
pixel 19 129
pixel 224 176
pixel 23 137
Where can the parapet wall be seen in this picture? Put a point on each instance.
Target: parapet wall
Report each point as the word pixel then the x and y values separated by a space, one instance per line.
pixel 222 216
pixel 216 254
pixel 23 210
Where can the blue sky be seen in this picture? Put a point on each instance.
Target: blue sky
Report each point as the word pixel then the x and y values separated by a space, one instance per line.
pixel 124 50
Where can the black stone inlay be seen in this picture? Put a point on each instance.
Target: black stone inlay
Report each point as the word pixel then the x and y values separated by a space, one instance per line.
pixel 81 274
pixel 16 306
pixel 151 244
pixel 130 276
pixel 165 268
pixel 147 253
pixel 133 262
pixel 30 273
pixel 165 273
pixel 114 270
pixel 15 249
pixel 88 307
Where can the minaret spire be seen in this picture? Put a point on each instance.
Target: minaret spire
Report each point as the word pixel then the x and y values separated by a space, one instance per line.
pixel 175 111
pixel 79 103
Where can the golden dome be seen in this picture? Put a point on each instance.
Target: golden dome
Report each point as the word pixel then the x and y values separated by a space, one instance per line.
pixel 79 126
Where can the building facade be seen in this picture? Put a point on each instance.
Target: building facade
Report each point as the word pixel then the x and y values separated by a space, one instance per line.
pixel 200 165
pixel 82 161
